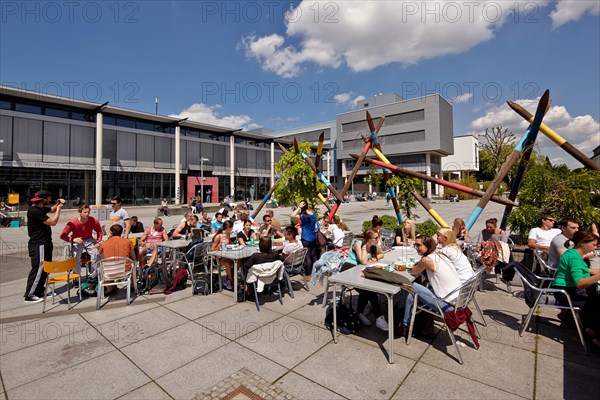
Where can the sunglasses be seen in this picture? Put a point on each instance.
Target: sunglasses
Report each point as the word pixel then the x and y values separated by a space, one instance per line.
pixel 268 220
pixel 549 219
pixel 113 203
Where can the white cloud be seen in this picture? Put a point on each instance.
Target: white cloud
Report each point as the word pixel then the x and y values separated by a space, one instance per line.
pixel 582 131
pixel 206 114
pixel 463 98
pixel 368 34
pixel 348 99
pixel 571 10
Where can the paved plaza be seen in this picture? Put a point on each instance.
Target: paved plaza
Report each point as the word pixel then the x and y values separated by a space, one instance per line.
pixel 183 347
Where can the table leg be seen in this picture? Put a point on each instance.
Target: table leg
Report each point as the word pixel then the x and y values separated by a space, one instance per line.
pixel 335 314
pixel 235 280
pixel 391 327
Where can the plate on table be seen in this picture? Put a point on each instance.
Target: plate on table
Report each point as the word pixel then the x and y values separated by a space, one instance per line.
pixel 400 247
pixel 378 266
pixel 233 247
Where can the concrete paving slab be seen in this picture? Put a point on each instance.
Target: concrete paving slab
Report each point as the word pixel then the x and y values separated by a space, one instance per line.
pixel 18 335
pixel 238 320
pixel 286 341
pixel 105 377
pixel 13 288
pixel 137 327
pixel 35 362
pixel 312 314
pixel 210 369
pixel 194 307
pixel 173 348
pixel 271 302
pixel 109 314
pixel 560 379
pixel 482 365
pixel 353 370
pixel 446 385
pixel 150 391
pixel 2 391
pixel 302 388
pixel 563 342
pixel 375 337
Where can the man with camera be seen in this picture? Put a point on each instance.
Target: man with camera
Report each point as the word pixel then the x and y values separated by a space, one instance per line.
pixel 40 241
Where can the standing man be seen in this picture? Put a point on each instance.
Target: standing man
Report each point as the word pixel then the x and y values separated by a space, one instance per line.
pixel 208 195
pixel 118 215
pixel 40 241
pixel 568 227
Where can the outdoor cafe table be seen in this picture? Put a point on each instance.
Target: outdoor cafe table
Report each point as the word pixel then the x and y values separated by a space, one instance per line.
pixel 354 277
pixel 235 255
pixel 172 244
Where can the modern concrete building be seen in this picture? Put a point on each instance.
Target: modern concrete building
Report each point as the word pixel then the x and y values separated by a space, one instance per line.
pixel 78 149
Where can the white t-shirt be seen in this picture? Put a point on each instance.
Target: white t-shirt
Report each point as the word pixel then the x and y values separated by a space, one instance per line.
pixel 459 261
pixel 445 278
pixel 542 237
pixel 338 234
pixel 118 217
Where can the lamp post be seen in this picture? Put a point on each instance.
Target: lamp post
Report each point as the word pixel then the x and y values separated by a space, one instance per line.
pixel 202 159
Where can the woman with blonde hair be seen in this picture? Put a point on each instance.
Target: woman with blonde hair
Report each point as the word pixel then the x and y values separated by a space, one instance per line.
pixel 460 230
pixel 445 237
pixel 406 236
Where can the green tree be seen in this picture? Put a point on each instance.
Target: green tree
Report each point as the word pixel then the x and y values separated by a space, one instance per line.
pixel 405 185
pixel 495 145
pixel 374 176
pixel 557 191
pixel 297 179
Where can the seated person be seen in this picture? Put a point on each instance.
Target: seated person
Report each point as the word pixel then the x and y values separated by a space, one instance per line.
pixel 492 231
pixel 460 230
pixel 5 217
pixel 136 226
pixel 276 223
pixel 246 234
pixel 579 280
pixel 541 237
pixel 149 240
pixel 223 235
pixel 336 234
pixel 268 229
pixel 562 242
pixel 460 262
pixel 184 230
pixel 264 256
pixel 84 233
pixel 406 236
pixel 217 223
pixel 116 246
pixel 292 244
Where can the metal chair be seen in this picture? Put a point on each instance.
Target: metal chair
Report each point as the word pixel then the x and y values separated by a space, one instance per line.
pixel 466 294
pixel 388 238
pixel 294 265
pixel 277 275
pixel 56 274
pixel 543 265
pixel 195 257
pixel 348 238
pixel 113 271
pixel 544 297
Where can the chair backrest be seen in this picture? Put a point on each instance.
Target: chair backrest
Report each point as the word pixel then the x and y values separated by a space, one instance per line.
pixel 467 290
pixel 276 268
pixel 297 257
pixel 114 268
pixel 539 256
pixel 56 267
pixel 348 238
pixel 387 237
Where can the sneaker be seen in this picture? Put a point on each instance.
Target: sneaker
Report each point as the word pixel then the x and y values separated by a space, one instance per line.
pixel 382 324
pixel 363 319
pixel 227 284
pixel 33 299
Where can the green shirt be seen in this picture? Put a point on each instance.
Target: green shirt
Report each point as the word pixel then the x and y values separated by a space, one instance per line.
pixel 571 268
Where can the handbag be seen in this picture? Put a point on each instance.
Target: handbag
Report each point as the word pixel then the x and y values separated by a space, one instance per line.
pixel 386 276
pixel 321 239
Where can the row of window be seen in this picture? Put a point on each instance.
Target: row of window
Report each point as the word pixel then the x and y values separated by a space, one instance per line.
pixel 395 119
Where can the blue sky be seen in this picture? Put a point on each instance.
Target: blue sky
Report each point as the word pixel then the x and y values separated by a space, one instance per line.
pixel 283 65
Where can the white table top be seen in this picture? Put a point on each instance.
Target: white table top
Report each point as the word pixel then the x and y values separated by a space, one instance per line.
pixel 175 244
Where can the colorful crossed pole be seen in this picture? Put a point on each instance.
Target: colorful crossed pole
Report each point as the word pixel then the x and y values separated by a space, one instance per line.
pixel 528 137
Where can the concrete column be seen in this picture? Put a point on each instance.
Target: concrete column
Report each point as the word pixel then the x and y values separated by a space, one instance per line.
pixel 232 167
pixel 329 165
pixel 428 172
pixel 99 137
pixel 272 164
pixel 177 165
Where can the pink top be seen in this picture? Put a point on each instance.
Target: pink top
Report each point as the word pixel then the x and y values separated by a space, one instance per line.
pixel 84 231
pixel 153 236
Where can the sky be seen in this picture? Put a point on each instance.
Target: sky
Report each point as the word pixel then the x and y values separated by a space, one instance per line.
pixel 282 65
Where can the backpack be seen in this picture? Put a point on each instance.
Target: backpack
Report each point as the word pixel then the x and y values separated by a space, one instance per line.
pixel 201 284
pixel 165 277
pixel 347 319
pixel 89 288
pixel 179 281
pixel 149 278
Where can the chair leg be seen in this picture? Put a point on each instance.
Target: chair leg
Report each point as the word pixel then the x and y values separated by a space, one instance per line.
pixel 129 290
pixel 412 319
pixel 45 294
pixel 579 330
pixel 305 282
pixel 79 278
pixel 256 296
pixel 100 291
pixel 479 311
pixel 289 285
pixel 326 290
pixel 68 295
pixel 454 342
pixel 528 318
pixel 280 297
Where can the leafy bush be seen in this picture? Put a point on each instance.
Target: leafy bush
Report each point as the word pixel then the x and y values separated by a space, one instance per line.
pixel 501 189
pixel 428 228
pixel 468 181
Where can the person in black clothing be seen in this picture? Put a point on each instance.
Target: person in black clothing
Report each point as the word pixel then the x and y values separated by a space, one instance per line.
pixel 265 255
pixel 40 241
pixel 136 226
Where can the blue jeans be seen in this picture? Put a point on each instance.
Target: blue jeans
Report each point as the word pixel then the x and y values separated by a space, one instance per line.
pixel 410 299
